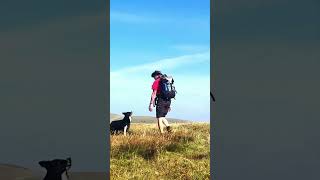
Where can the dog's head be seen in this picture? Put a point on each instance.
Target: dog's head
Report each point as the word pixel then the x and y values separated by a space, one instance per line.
pixel 57 165
pixel 127 114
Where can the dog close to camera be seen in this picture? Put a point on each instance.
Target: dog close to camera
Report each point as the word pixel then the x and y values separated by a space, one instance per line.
pixel 57 169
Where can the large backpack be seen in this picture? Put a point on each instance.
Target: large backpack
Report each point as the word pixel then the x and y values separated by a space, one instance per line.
pixel 167 89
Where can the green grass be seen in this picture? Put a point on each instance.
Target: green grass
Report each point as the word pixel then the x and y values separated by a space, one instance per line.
pixel 145 154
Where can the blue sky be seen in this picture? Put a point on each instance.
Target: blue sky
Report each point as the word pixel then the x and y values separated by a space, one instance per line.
pixel 164 35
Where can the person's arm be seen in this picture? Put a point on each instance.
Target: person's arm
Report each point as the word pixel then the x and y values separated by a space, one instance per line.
pixel 153 97
pixel 152 100
pixel 155 87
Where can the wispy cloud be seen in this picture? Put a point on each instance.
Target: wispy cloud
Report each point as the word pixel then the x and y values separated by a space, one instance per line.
pixel 131 17
pixel 131 87
pixel 145 17
pixel 166 64
pixel 190 47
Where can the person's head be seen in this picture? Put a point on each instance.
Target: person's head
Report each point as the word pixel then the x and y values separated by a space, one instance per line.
pixel 156 74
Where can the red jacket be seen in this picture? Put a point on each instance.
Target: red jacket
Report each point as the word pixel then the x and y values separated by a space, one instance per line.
pixel 156 85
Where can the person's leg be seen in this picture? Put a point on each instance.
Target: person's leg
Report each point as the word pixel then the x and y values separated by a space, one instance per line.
pixel 159 112
pixel 160 125
pixel 162 110
pixel 165 121
pixel 166 110
pixel 166 124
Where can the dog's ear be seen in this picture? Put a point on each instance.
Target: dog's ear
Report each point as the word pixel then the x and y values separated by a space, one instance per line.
pixel 124 113
pixel 69 160
pixel 43 163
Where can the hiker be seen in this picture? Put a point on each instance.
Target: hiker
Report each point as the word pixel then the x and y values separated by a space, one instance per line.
pixel 162 104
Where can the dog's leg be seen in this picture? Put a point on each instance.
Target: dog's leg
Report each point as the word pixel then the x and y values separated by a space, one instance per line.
pixel 64 176
pixel 125 130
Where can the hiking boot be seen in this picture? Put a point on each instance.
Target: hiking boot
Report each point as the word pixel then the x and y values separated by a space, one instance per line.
pixel 169 129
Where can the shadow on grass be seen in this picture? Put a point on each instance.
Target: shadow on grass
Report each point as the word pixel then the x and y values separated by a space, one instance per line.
pixel 128 151
pixel 200 156
pixel 150 147
pixel 175 147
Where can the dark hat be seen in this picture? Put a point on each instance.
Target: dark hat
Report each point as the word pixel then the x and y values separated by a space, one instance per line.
pixel 155 73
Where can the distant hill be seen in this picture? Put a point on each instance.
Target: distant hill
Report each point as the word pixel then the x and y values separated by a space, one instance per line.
pixel 11 172
pixel 145 119
pixel 115 116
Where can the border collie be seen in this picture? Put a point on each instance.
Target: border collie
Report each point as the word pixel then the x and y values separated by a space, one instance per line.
pixel 121 125
pixel 57 169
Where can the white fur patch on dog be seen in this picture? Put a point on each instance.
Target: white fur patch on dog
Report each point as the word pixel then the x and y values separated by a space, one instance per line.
pixel 64 176
pixel 125 130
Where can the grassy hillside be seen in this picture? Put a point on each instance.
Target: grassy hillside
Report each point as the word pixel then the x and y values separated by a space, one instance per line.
pixel 183 154
pixel 144 119
pixel 115 116
pixel 11 172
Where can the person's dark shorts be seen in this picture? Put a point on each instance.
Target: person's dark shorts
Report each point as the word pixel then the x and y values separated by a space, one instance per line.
pixel 162 107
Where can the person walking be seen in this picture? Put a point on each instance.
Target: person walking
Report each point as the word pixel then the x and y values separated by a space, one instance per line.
pixel 162 105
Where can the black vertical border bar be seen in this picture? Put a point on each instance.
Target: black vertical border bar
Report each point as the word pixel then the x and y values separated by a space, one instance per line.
pixel 212 103
pixel 107 60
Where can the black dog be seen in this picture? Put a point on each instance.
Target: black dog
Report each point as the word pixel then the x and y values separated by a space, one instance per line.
pixel 57 169
pixel 121 125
